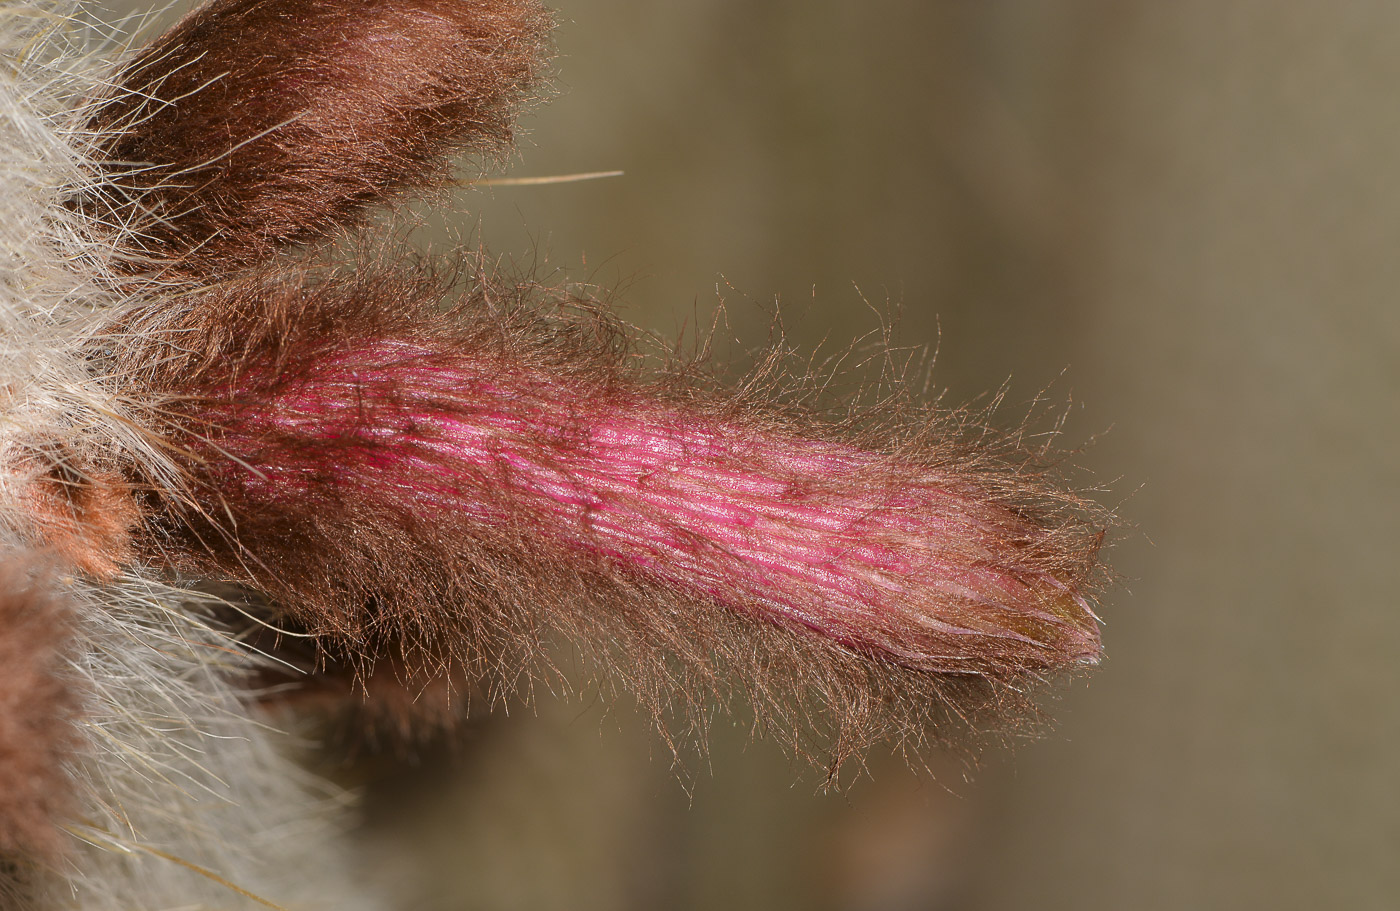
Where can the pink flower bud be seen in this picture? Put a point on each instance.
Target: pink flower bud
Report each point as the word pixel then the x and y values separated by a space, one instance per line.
pixel 541 482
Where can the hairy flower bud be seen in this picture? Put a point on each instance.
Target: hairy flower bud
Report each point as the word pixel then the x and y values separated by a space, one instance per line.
pixel 255 124
pixel 548 484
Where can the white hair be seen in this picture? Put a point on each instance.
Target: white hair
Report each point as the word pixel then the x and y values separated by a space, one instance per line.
pixel 184 797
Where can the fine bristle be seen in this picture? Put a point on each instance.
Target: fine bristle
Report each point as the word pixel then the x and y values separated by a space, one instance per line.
pixel 548 485
pixel 185 796
pixel 257 124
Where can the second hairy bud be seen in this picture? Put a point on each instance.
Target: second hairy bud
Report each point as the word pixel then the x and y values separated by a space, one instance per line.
pixel 253 125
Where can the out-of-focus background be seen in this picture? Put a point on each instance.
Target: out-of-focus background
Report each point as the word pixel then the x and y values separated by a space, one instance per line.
pixel 1182 217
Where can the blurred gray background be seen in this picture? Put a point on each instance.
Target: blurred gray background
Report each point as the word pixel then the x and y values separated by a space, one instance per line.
pixel 1182 217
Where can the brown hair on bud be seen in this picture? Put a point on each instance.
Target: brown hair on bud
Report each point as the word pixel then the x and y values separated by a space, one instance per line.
pixel 38 707
pixel 448 489
pixel 256 124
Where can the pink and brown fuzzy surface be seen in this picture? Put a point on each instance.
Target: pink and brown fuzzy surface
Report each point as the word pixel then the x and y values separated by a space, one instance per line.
pixel 413 487
pixel 448 484
pixel 445 481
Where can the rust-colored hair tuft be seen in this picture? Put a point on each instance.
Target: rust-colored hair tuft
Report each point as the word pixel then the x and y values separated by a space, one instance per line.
pixel 257 124
pixel 84 515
